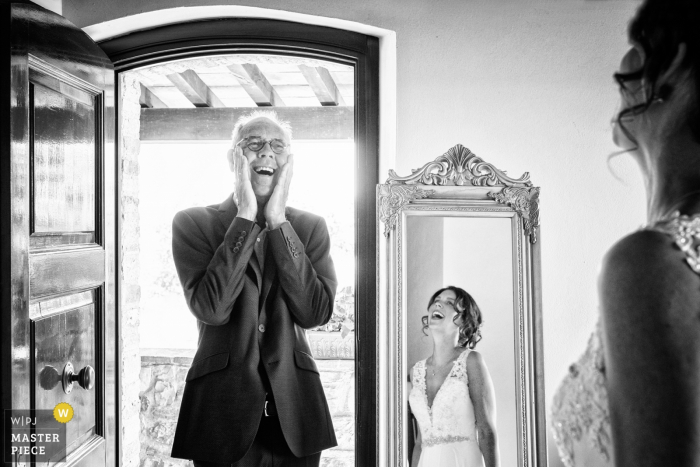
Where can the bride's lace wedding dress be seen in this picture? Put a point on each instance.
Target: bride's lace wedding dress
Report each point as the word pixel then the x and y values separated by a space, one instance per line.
pixel 448 427
pixel 580 417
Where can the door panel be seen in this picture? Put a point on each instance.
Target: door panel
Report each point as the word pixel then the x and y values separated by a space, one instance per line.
pixel 63 162
pixel 65 271
pixel 59 338
pixel 61 243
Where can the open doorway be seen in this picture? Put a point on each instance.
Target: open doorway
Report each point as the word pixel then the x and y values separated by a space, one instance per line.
pixel 176 123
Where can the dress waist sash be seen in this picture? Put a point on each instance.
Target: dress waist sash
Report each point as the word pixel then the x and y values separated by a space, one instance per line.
pixel 435 440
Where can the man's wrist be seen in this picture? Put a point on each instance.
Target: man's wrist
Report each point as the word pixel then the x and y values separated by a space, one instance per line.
pixel 275 223
pixel 247 214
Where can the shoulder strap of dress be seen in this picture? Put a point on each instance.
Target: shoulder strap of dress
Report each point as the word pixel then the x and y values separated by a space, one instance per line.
pixel 685 231
pixel 419 372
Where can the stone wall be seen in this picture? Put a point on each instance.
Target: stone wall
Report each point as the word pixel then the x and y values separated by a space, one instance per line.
pixel 162 378
pixel 162 375
pixel 130 290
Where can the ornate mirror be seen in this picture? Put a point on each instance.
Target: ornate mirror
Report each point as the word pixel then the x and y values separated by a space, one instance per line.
pixel 460 221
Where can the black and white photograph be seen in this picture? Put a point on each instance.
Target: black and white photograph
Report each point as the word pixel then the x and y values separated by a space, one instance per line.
pixel 308 233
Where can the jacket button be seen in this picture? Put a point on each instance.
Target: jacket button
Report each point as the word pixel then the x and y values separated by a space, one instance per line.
pixel 235 250
pixel 261 328
pixel 244 233
pixel 241 238
pixel 258 240
pixel 238 244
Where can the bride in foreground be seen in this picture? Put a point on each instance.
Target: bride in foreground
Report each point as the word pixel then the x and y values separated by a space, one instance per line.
pixel 450 393
pixel 631 400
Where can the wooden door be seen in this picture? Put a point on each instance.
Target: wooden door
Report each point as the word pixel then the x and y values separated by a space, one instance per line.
pixel 58 234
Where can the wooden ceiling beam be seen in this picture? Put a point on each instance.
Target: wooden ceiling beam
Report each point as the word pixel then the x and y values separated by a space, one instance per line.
pixel 323 85
pixel 149 100
pixel 216 124
pixel 256 85
pixel 191 85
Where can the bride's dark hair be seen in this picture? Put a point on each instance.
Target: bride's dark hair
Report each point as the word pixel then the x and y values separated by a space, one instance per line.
pixel 659 27
pixel 468 310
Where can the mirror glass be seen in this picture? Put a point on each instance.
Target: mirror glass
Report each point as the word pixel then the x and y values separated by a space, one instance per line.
pixel 475 254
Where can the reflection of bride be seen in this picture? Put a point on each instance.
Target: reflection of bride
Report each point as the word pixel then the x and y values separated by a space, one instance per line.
pixel 451 393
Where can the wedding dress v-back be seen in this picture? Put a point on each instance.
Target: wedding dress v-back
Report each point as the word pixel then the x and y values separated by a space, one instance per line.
pixel 448 427
pixel 580 416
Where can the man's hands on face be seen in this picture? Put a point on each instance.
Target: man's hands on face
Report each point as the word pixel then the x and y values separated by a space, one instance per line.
pixel 247 203
pixel 274 209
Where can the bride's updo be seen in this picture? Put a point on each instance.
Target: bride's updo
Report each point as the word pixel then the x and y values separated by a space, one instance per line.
pixel 659 27
pixel 467 310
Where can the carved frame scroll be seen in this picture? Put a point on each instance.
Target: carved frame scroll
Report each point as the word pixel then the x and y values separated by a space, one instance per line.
pixel 392 198
pixel 460 167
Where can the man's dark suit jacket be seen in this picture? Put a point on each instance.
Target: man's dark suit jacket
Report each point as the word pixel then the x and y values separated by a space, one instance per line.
pixel 247 319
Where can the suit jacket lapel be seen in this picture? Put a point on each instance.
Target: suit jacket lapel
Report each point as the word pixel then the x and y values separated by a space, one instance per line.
pixel 270 272
pixel 227 212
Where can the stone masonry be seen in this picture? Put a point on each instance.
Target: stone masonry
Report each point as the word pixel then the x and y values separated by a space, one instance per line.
pixel 162 382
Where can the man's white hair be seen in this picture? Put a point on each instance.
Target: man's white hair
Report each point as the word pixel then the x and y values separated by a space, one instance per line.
pixel 268 114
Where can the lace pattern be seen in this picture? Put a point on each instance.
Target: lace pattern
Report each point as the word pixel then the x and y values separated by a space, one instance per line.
pixel 451 416
pixel 580 405
pixel 685 231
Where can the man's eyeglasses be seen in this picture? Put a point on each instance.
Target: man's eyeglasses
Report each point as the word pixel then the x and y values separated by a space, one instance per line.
pixel 256 144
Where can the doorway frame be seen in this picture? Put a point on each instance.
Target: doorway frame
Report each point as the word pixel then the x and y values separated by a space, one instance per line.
pixel 243 35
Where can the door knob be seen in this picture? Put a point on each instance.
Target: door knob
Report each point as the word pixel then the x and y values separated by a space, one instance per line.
pixel 49 378
pixel 85 378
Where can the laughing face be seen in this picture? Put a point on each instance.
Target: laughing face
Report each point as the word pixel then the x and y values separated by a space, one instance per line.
pixel 266 147
pixel 441 312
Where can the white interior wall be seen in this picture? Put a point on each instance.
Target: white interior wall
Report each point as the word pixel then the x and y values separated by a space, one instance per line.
pixel 477 257
pixel 52 5
pixel 424 266
pixel 525 84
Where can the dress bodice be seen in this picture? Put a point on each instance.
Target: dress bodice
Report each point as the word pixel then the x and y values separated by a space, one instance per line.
pixel 451 417
pixel 580 416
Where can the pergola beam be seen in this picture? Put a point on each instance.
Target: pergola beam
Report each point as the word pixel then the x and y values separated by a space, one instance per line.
pixel 204 124
pixel 323 85
pixel 191 85
pixel 256 85
pixel 149 100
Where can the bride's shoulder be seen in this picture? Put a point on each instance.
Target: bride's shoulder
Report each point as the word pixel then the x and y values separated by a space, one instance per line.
pixel 472 358
pixel 645 283
pixel 639 261
pixel 477 373
pixel 645 247
pixel 473 361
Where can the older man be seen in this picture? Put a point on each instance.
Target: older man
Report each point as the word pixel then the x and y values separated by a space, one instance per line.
pixel 255 273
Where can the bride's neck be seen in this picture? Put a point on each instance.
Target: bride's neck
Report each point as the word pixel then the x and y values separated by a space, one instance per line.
pixel 444 350
pixel 672 176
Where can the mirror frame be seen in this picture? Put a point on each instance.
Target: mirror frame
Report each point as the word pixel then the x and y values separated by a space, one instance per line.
pixel 459 184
